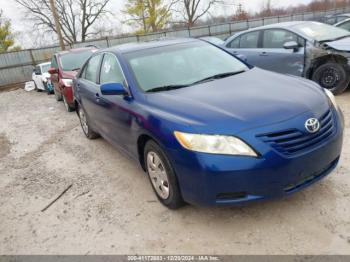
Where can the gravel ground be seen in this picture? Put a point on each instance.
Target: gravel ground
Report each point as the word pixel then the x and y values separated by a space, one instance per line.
pixel 111 209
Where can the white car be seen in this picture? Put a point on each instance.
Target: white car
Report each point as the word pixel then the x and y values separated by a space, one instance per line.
pixel 41 77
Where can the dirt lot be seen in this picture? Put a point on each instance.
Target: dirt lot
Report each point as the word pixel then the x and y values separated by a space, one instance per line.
pixel 111 207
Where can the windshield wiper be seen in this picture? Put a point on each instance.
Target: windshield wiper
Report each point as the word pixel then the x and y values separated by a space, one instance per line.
pixel 217 76
pixel 210 78
pixel 165 88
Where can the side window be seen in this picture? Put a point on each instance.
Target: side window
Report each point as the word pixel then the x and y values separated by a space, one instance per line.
pixel 37 70
pixel 234 43
pixel 54 62
pixel 345 25
pixel 91 68
pixel 249 40
pixel 277 38
pixel 110 70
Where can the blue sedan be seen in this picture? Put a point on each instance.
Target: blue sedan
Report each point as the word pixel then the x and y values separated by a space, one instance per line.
pixel 207 128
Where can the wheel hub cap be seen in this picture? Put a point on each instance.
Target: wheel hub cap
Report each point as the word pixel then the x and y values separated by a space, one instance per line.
pixel 83 121
pixel 158 175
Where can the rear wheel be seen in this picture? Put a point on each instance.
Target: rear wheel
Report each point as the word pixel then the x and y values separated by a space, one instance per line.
pixel 58 96
pixel 66 105
pixel 89 133
pixel 162 176
pixel 332 76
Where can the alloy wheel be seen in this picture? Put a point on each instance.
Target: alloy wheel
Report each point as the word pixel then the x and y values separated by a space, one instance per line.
pixel 83 121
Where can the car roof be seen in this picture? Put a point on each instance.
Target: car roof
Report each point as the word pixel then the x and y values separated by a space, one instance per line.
pixel 136 46
pixel 346 14
pixel 284 25
pixel 76 50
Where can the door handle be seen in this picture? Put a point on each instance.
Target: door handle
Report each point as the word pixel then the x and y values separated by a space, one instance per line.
pixel 264 54
pixel 97 97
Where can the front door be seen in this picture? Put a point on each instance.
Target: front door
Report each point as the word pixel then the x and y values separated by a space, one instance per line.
pixel 275 57
pixel 116 118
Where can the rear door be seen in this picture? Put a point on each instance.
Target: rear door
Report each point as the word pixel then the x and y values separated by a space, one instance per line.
pixel 37 76
pixel 274 57
pixel 248 45
pixel 89 90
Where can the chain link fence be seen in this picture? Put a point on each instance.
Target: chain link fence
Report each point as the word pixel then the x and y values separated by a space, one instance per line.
pixel 17 67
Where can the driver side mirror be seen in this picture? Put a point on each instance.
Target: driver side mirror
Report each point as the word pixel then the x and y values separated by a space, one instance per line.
pixel 291 45
pixel 52 70
pixel 112 89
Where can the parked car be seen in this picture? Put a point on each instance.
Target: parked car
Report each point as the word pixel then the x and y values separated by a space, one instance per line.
pixel 214 40
pixel 64 67
pixel 207 128
pixel 333 19
pixel 345 24
pixel 309 49
pixel 41 77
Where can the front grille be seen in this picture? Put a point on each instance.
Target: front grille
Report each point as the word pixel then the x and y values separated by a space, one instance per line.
pixel 294 141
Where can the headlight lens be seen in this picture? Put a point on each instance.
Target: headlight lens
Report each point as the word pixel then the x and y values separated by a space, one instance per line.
pixel 67 82
pixel 214 144
pixel 331 98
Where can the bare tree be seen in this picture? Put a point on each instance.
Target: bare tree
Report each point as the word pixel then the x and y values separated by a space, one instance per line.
pixel 192 10
pixel 76 17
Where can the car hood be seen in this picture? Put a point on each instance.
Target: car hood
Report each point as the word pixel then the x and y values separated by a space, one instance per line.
pixel 340 45
pixel 69 74
pixel 240 102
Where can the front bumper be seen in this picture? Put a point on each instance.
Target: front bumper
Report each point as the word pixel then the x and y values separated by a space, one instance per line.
pixel 207 179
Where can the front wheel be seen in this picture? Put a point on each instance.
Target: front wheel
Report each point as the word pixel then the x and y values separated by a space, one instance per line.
pixel 332 76
pixel 58 96
pixel 89 133
pixel 162 176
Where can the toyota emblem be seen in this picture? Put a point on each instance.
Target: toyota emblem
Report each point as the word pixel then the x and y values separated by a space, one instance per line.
pixel 312 125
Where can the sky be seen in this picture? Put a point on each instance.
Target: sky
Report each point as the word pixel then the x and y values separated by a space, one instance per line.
pixel 23 27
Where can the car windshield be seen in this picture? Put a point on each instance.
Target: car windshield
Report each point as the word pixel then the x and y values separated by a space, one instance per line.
pixel 321 32
pixel 75 60
pixel 45 68
pixel 181 65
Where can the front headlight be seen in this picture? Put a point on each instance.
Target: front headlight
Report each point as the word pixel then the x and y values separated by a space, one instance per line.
pixel 331 98
pixel 67 82
pixel 214 144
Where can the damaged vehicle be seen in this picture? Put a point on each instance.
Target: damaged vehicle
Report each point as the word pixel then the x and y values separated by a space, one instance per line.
pixel 312 50
pixel 41 77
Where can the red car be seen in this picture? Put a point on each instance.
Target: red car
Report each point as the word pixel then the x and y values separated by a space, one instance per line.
pixel 64 67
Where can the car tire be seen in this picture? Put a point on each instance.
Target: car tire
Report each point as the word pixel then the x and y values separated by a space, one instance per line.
pixel 46 88
pixel 66 105
pixel 332 76
pixel 162 176
pixel 58 96
pixel 87 130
